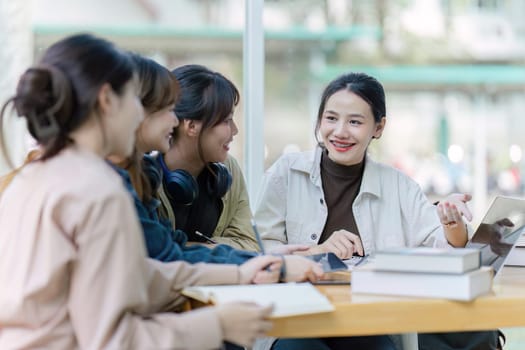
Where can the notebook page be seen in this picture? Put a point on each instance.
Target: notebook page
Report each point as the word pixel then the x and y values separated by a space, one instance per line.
pixel 288 299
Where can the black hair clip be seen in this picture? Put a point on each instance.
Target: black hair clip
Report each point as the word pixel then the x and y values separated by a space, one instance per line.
pixel 45 127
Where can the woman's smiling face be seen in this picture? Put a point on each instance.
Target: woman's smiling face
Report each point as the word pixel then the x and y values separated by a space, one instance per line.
pixel 347 126
pixel 216 140
pixel 155 131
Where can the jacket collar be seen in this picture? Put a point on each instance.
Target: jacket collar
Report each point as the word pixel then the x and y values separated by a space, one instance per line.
pixel 371 179
pixel 311 164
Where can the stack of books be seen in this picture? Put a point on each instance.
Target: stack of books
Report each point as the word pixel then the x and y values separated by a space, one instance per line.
pixel 516 255
pixel 454 274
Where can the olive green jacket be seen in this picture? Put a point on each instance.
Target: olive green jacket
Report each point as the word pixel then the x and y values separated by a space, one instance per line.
pixel 234 227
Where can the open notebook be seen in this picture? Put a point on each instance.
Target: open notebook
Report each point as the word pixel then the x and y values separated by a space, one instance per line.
pixel 288 299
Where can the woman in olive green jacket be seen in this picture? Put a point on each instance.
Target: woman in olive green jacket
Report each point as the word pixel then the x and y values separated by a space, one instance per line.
pixel 234 225
pixel 203 192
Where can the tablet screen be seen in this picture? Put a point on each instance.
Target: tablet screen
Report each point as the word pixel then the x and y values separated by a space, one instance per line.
pixel 329 261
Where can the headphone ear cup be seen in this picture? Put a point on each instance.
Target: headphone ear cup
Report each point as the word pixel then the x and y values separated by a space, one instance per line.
pixel 152 171
pixel 219 184
pixel 182 187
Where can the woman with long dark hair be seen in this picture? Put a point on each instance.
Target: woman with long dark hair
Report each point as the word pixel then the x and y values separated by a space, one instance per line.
pixel 203 187
pixel 73 268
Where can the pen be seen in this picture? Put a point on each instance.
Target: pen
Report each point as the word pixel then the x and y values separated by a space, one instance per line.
pixel 208 239
pixel 258 237
pixel 282 272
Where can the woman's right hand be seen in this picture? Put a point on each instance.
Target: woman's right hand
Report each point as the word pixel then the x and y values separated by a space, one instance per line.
pixel 342 243
pixel 243 322
pixel 299 269
pixel 260 269
pixel 460 200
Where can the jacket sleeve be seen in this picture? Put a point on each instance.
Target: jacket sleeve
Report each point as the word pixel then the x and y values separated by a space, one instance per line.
pixel 114 290
pixel 166 245
pixel 423 226
pixel 219 254
pixel 270 212
pixel 234 226
pixel 159 241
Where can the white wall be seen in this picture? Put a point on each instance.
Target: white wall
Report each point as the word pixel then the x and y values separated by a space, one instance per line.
pixel 15 56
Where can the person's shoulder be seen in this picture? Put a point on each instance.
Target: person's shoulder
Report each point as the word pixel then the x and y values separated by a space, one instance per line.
pixel 380 166
pixel 297 160
pixel 386 171
pixel 232 164
pixel 83 174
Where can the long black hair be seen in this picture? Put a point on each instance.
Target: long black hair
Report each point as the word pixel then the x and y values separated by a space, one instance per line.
pixel 206 96
pixel 57 95
pixel 158 89
pixel 361 84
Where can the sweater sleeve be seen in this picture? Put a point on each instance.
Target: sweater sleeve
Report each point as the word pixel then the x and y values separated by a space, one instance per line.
pixel 234 227
pixel 423 227
pixel 165 244
pixel 220 254
pixel 114 290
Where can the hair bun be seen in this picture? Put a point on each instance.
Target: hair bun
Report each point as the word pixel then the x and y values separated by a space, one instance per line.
pixel 44 97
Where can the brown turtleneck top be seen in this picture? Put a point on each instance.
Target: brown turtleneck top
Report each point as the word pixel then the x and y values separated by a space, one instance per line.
pixel 341 185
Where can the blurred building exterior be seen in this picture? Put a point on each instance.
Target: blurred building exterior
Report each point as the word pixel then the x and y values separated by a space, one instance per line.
pixel 454 72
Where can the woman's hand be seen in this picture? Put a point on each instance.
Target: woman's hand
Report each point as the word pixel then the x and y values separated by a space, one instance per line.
pixel 342 243
pixel 243 322
pixel 260 269
pixel 296 269
pixel 453 226
pixel 460 201
pixel 299 269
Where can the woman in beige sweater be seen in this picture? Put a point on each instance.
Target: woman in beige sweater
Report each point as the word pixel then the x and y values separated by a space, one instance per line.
pixel 73 267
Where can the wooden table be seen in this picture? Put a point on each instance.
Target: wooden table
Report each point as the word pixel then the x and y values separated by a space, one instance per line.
pixel 368 315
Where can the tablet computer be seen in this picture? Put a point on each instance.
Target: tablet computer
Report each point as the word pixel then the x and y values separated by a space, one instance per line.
pixel 500 229
pixel 336 270
pixel 329 261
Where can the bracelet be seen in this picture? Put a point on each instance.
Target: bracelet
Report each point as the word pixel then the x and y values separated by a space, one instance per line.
pixel 451 223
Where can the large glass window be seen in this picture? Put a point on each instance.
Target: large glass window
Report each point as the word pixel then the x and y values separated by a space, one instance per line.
pixel 453 72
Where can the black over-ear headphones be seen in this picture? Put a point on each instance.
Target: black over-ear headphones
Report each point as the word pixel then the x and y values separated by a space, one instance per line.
pixel 184 189
pixel 153 172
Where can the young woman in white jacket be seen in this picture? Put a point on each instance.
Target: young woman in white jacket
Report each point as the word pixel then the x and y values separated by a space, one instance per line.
pixel 336 199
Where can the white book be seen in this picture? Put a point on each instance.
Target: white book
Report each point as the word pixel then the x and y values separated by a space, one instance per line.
pixel 516 257
pixel 288 299
pixel 464 287
pixel 423 259
pixel 520 243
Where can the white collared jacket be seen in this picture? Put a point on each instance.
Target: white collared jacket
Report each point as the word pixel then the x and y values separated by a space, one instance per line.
pixel 390 210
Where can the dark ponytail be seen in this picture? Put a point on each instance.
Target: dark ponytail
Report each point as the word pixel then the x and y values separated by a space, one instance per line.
pixel 44 96
pixel 59 94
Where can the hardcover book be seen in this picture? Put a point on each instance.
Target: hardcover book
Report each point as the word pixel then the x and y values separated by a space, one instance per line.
pixel 464 287
pixel 423 259
pixel 516 257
